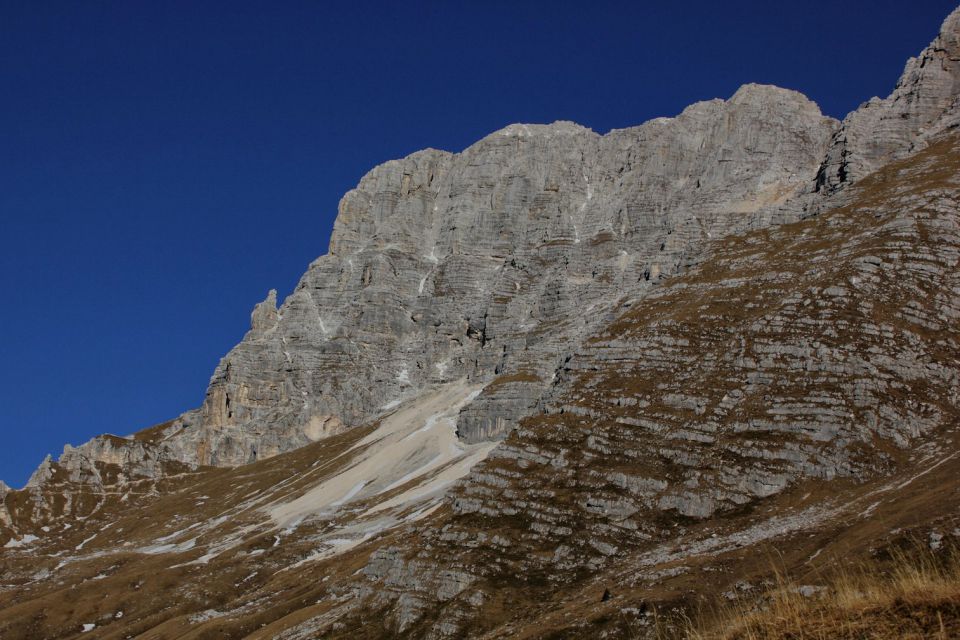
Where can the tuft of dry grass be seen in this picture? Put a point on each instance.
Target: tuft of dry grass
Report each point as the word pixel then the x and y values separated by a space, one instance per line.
pixel 916 596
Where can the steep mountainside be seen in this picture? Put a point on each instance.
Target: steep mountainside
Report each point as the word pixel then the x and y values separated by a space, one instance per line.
pixel 796 389
pixel 473 264
pixel 923 104
pixel 443 266
pixel 547 387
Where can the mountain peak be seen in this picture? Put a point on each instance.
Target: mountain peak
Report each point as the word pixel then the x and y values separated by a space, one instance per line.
pixel 769 93
pixel 556 128
pixel 549 385
pixel 949 38
pixel 921 105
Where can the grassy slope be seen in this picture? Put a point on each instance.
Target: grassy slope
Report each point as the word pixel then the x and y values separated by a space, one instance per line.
pixel 162 598
pixel 914 595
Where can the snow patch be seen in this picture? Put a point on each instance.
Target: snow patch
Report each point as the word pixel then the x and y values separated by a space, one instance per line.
pixel 422 513
pixel 928 470
pixel 413 474
pixel 204 559
pixel 177 534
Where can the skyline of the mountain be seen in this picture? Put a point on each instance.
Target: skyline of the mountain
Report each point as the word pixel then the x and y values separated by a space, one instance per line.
pixel 164 169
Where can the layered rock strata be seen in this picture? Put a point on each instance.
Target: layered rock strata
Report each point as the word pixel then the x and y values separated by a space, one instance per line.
pixel 923 104
pixel 494 262
pixel 817 351
pixel 681 360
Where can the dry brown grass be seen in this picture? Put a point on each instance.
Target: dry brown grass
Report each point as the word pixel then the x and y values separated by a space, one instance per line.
pixel 916 595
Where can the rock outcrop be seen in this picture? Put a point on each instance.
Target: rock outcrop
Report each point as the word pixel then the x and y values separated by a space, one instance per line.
pixel 923 104
pixel 818 351
pixel 557 385
pixel 494 262
pixel 489 264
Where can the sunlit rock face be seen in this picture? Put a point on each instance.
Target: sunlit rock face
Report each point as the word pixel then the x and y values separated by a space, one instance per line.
pixel 923 103
pixel 493 264
pixel 549 387
pixel 495 261
pixel 789 361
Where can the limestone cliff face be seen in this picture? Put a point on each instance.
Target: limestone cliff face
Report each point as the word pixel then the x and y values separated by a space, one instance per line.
pixel 825 350
pixel 664 350
pixel 923 103
pixel 493 264
pixel 494 261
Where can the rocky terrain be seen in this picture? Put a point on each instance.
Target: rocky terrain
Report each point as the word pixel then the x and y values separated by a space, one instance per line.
pixel 548 387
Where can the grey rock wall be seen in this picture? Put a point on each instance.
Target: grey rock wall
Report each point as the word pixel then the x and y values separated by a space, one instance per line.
pixel 923 103
pixel 495 261
pixel 810 352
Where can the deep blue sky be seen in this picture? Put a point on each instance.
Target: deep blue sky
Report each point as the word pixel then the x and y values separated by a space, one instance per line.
pixel 162 165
